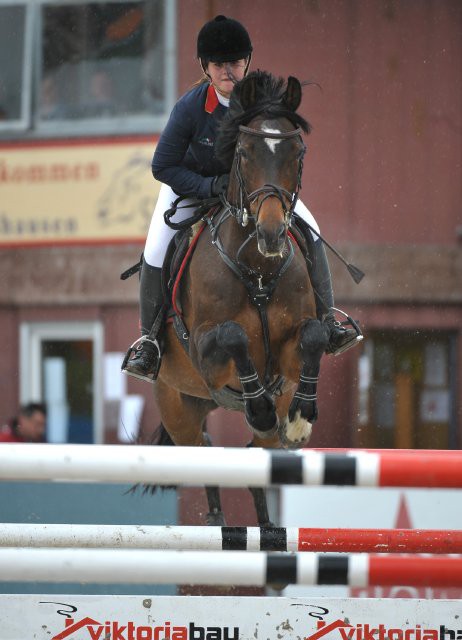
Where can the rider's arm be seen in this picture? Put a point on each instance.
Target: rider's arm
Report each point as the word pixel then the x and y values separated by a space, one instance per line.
pixel 171 149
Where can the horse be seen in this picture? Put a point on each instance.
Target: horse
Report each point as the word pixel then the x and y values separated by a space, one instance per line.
pixel 255 343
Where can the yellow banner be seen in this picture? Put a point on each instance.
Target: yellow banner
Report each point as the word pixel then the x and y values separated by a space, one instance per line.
pixel 76 192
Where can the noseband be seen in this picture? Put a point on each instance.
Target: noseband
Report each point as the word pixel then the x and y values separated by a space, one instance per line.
pixel 242 212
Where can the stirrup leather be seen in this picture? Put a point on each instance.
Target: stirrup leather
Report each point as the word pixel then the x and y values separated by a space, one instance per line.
pixel 349 322
pixel 152 375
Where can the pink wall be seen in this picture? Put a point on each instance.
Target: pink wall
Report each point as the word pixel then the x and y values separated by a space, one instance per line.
pixel 384 158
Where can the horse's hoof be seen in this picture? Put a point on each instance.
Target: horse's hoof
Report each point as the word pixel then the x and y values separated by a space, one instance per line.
pixel 264 435
pixel 215 519
pixel 295 434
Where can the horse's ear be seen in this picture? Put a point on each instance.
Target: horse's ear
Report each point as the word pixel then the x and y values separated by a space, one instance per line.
pixel 248 92
pixel 293 93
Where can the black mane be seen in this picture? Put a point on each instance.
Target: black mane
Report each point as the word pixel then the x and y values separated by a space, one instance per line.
pixel 268 102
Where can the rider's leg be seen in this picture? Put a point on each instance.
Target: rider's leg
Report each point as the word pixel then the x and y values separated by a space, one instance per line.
pixel 145 361
pixel 340 338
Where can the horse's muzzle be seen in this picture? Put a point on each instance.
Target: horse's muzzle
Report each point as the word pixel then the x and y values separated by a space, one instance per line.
pixel 271 242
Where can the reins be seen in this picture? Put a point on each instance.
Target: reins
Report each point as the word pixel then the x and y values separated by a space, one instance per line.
pixel 259 293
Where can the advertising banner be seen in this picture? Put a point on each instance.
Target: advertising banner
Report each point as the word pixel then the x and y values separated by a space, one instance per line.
pixel 80 191
pixel 226 618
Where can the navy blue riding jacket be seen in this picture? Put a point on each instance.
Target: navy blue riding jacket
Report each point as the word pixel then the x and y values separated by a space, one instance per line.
pixel 184 158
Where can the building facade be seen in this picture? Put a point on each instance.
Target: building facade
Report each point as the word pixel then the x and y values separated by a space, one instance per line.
pixel 86 93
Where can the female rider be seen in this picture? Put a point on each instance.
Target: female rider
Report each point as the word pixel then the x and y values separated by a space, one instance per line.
pixel 185 164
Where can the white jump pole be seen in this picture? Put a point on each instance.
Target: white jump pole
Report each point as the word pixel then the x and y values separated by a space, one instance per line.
pixel 135 566
pixel 217 466
pixel 231 538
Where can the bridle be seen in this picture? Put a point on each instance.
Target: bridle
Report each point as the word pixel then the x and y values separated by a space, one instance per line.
pixel 259 292
pixel 242 211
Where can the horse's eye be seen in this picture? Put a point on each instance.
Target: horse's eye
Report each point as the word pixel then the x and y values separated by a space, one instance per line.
pixel 244 154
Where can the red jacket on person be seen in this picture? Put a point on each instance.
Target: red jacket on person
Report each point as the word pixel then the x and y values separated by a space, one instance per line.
pixel 8 434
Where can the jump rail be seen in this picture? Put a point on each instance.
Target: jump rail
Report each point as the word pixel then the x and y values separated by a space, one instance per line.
pixel 217 466
pixel 231 538
pixel 223 568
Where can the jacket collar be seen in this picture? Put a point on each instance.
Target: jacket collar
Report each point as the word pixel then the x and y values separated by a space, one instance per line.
pixel 211 101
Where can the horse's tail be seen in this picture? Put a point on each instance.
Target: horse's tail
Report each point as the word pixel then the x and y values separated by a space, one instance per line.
pixel 161 437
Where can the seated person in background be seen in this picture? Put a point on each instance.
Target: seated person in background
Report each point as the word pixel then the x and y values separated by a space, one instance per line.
pixel 50 105
pixel 28 426
pixel 101 100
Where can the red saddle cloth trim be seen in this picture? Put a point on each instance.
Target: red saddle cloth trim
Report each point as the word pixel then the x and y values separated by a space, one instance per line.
pixel 183 267
pixel 211 101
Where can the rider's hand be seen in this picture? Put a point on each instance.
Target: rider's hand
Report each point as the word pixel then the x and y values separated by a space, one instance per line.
pixel 220 185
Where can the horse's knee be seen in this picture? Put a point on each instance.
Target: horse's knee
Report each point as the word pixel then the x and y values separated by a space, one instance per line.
pixel 232 338
pixel 314 339
pixel 208 348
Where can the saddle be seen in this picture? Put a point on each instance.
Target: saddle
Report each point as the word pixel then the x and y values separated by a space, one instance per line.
pixel 179 253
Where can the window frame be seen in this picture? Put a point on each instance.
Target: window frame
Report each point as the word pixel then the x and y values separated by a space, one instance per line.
pixel 31 336
pixel 23 122
pixel 30 124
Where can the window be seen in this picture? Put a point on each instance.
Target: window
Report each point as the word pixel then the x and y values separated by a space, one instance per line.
pixel 60 364
pixel 15 47
pixel 103 66
pixel 407 391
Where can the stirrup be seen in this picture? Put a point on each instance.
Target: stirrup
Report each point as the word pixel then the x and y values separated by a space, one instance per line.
pixel 150 377
pixel 354 325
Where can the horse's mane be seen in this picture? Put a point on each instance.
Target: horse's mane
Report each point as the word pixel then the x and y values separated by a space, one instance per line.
pixel 268 101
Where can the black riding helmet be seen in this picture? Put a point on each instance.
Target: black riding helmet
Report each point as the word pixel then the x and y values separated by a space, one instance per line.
pixel 223 40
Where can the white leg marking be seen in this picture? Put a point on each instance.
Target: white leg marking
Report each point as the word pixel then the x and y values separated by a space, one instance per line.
pixel 299 430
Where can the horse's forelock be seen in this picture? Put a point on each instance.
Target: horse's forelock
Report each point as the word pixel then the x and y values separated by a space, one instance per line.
pixel 267 100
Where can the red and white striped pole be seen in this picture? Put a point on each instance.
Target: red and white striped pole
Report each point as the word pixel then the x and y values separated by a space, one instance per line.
pixel 223 467
pixel 231 538
pixel 125 566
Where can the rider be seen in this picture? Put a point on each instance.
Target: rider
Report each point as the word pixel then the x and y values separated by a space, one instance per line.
pixel 184 163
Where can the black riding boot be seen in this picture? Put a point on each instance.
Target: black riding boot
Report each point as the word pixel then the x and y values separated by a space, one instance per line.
pixel 340 338
pixel 144 356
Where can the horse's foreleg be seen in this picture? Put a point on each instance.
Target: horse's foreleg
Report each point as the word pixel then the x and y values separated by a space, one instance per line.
pixel 228 342
pixel 303 410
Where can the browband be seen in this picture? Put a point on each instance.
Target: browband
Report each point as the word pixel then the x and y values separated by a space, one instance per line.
pixel 267 134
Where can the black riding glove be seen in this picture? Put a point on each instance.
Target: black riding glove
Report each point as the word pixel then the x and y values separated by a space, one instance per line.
pixel 220 185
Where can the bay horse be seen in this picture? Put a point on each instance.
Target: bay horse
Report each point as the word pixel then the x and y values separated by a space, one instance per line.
pixel 254 343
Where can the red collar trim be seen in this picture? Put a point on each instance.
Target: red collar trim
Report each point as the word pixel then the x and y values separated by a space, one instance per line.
pixel 211 102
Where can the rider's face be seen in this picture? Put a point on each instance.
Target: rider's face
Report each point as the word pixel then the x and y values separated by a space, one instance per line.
pixel 224 74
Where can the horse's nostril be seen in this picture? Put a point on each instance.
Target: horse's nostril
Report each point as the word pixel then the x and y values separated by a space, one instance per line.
pixel 282 231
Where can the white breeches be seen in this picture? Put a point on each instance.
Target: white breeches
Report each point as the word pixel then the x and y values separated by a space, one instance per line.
pixel 159 234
